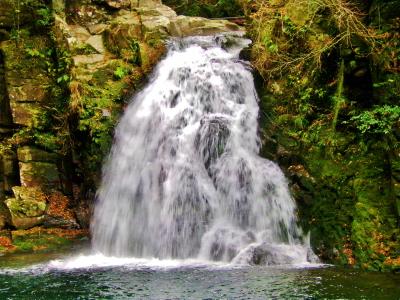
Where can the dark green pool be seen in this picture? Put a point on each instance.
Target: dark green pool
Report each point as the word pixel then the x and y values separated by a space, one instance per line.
pixel 82 279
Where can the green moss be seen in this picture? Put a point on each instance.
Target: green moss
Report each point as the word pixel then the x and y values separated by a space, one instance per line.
pixel 40 242
pixel 349 148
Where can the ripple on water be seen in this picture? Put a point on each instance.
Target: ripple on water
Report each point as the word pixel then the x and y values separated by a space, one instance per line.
pixel 157 279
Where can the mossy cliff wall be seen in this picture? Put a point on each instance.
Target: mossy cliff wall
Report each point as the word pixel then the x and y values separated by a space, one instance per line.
pixel 67 70
pixel 329 90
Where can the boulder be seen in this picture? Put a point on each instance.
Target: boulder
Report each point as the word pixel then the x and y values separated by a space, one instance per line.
pixel 43 174
pixel 155 20
pixel 274 254
pixel 28 207
pixel 119 3
pixel 183 26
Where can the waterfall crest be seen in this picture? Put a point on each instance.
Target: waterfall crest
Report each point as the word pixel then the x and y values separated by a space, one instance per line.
pixel 184 179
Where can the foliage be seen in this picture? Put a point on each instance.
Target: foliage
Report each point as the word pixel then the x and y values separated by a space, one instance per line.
pixel 120 72
pixel 380 120
pixel 295 38
pixel 310 54
pixel 45 17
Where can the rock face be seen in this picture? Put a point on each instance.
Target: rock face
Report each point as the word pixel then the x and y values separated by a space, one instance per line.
pixel 27 79
pixel 348 193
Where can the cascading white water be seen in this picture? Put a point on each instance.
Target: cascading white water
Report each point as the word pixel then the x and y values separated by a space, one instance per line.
pixel 184 179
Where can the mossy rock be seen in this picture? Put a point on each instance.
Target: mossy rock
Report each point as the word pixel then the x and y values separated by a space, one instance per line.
pixel 29 194
pixel 40 239
pixel 25 113
pixel 43 174
pixel 29 153
pixel 26 214
pixel 28 207
pixel 123 33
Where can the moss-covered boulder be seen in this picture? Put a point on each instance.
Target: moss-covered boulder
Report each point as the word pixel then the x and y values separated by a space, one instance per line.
pixel 28 207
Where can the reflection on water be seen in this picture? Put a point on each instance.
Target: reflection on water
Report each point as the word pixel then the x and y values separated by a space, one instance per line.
pixel 144 280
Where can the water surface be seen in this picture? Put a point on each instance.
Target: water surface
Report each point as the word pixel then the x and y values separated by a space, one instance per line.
pixel 83 278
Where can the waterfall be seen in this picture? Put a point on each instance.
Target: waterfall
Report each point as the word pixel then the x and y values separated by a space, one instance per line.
pixel 184 178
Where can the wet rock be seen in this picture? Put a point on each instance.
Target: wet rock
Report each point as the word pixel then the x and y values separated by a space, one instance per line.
pixel 30 91
pixel 83 215
pixel 270 254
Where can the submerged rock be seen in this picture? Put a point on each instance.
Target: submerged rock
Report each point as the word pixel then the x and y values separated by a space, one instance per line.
pixel 266 254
